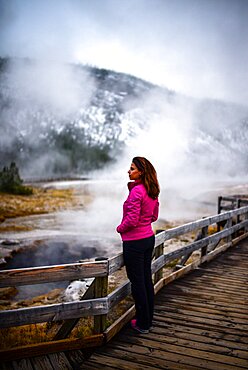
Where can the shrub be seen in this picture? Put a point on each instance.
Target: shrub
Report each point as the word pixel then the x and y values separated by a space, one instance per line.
pixel 11 182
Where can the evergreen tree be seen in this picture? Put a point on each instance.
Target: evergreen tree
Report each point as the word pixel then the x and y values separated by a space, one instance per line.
pixel 11 182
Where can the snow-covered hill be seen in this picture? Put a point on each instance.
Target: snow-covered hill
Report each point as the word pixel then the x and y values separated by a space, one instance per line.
pixel 70 119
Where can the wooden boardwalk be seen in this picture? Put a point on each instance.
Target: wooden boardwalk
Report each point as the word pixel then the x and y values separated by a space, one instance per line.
pixel 200 322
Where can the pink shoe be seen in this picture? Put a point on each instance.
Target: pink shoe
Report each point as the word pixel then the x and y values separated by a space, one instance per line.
pixel 135 327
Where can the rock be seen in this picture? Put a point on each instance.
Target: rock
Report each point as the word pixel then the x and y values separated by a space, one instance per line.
pixel 76 290
pixel 10 242
pixel 7 293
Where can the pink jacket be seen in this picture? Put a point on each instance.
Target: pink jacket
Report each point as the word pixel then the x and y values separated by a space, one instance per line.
pixel 139 211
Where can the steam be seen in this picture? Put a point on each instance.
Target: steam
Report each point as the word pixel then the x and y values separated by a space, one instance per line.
pixel 197 147
pixel 193 49
pixel 43 96
pixel 51 85
pixel 56 87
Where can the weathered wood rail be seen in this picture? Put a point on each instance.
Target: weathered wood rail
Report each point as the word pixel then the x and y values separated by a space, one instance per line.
pixel 97 302
pixel 227 203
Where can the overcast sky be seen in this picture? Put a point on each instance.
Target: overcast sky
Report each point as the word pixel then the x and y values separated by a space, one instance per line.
pixel 197 47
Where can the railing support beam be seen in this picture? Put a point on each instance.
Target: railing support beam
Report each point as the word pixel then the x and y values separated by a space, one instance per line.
pixel 101 290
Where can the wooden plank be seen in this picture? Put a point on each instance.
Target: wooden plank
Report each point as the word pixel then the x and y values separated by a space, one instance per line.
pixel 199 305
pixel 202 306
pixel 76 358
pixel 196 284
pixel 197 323
pixel 54 312
pixel 174 328
pixel 93 365
pixel 220 278
pixel 230 275
pixel 143 344
pixel 228 290
pixel 159 336
pixel 161 339
pixel 23 364
pixel 128 359
pixel 153 356
pixel 41 349
pixel 113 329
pixel 158 264
pixel 47 274
pixel 159 239
pixel 204 295
pixel 115 263
pixel 221 282
pixel 119 294
pixel 208 299
pixel 175 275
pixel 41 363
pixel 217 277
pixel 219 322
pixel 59 361
pixel 219 319
pixel 201 337
pixel 218 332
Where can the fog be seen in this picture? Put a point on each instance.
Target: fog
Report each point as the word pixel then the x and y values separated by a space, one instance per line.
pixel 53 86
pixel 196 48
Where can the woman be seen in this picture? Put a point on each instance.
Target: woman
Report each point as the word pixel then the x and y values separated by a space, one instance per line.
pixel 139 211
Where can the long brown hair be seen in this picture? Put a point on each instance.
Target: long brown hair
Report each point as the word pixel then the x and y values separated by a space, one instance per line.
pixel 148 176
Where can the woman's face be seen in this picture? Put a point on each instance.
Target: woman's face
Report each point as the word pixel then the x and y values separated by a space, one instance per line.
pixel 134 173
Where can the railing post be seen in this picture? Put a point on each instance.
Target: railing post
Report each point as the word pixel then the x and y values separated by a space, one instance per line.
pixel 238 206
pixel 219 211
pixel 159 251
pixel 228 239
pixel 246 217
pixel 204 233
pixel 101 290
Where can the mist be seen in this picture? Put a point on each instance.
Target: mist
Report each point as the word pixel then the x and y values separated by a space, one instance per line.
pixel 198 148
pixel 196 49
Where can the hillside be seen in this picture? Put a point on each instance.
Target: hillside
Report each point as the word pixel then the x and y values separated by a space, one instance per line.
pixel 65 120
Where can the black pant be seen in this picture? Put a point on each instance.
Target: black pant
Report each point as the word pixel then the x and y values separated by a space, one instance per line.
pixel 137 258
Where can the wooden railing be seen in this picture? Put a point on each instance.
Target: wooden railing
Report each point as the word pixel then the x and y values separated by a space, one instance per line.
pixel 227 203
pixel 97 302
